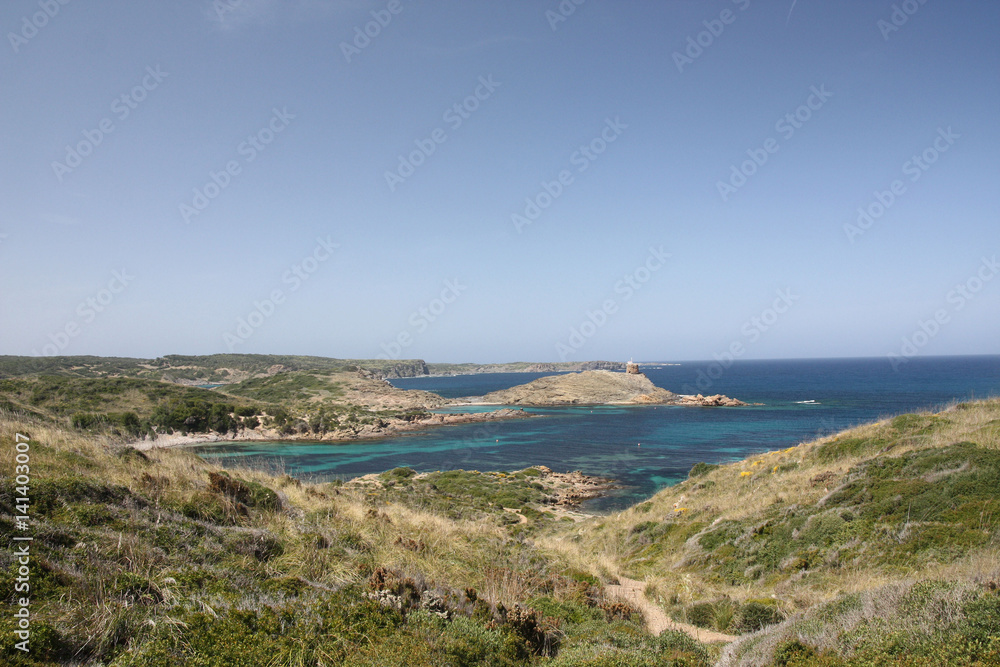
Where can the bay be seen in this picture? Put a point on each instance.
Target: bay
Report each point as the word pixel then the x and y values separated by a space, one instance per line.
pixel 645 448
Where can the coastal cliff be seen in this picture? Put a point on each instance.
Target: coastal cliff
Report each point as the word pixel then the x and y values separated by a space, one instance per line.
pixel 410 368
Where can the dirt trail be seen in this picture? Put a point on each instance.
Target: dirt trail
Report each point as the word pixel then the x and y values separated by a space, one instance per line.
pixel 631 591
pixel 521 518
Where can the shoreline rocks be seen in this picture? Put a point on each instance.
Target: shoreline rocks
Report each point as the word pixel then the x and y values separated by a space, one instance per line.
pixel 570 489
pixel 718 400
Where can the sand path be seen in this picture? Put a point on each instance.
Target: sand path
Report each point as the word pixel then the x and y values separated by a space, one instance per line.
pixel 631 591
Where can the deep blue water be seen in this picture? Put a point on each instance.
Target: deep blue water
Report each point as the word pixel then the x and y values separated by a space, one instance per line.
pixel 603 440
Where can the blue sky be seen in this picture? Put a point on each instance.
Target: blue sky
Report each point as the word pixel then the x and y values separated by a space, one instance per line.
pixel 264 177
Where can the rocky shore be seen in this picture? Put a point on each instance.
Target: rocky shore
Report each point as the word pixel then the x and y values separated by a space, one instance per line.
pixel 569 489
pixel 564 491
pixel 718 400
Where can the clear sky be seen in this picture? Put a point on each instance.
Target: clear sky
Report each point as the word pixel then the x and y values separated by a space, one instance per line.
pixel 471 181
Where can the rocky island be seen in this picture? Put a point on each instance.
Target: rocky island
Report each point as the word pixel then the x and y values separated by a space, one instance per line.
pixel 598 387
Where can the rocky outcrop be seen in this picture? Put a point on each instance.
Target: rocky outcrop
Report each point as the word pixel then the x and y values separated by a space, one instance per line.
pixel 569 489
pixel 710 401
pixel 367 388
pixel 393 426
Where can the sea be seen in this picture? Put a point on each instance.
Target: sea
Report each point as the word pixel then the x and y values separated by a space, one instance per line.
pixel 645 448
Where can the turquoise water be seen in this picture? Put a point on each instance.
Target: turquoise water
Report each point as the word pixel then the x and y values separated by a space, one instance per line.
pixel 605 440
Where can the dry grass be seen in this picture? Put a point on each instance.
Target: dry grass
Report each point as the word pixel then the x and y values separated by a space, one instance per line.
pixel 333 535
pixel 743 490
pixel 455 553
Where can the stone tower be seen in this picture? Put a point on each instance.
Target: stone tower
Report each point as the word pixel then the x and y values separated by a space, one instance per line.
pixel 632 368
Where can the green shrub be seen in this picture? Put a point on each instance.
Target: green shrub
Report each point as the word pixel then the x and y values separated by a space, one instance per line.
pixel 288 586
pixel 469 643
pixel 981 625
pixel 247 492
pixel 51 495
pixel 582 577
pixel 133 455
pixel 93 515
pixel 843 447
pixel 570 612
pixel 398 473
pixel 87 421
pixel 531 514
pixel 46 645
pixel 757 614
pixel 701 614
pixel 262 545
pixel 328 631
pixel 643 526
pixel 135 589
pixel 627 644
pixel 211 507
pixel 792 652
pixel 701 469
pixel 725 612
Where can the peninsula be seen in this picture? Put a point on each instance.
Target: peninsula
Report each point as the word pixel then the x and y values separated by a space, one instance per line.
pixel 179 400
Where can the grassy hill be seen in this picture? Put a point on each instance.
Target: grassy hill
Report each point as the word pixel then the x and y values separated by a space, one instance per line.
pixel 126 406
pixel 881 543
pixel 302 403
pixel 207 369
pixel 876 546
pixel 225 368
pixel 161 559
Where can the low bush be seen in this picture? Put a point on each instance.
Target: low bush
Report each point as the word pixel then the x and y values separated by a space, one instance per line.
pixel 701 469
pixel 756 614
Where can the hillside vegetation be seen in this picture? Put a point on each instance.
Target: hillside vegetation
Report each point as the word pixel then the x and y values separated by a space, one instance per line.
pixel 234 396
pixel 296 403
pixel 205 369
pixel 879 545
pixel 525 367
pixel 876 546
pixel 227 368
pixel 162 559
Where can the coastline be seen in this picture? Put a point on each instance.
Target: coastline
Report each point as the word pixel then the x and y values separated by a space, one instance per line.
pixel 388 430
